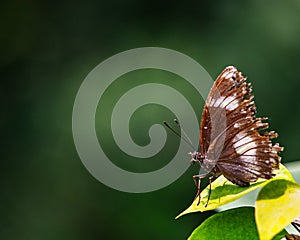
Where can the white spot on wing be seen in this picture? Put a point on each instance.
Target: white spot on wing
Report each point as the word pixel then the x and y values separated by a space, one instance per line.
pixel 244 144
pixel 233 105
pixel 229 75
pixel 224 74
pixel 251 151
pixel 230 103
pixel 218 101
pixel 226 101
pixel 248 149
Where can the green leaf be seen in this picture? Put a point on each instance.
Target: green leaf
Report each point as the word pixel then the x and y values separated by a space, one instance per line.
pixel 277 205
pixel 233 224
pixel 223 192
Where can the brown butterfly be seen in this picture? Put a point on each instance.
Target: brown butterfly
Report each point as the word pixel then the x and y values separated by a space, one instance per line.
pixel 232 139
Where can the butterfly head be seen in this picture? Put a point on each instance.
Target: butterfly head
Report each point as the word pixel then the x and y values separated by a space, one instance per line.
pixel 197 157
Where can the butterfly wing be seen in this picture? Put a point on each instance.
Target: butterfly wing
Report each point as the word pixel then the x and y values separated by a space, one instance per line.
pixel 213 120
pixel 231 134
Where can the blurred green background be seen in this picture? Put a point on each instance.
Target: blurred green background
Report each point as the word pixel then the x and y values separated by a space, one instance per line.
pixel 48 48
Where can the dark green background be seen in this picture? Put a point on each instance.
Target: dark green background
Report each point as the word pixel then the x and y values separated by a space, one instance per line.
pixel 48 48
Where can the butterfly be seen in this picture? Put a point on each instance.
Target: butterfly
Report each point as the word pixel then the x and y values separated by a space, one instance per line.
pixel 233 141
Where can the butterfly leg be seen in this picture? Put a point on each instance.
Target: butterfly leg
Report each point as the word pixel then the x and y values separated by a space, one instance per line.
pixel 210 180
pixel 198 185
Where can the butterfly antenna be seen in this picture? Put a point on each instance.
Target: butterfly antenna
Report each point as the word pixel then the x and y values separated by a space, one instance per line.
pixel 187 141
pixel 184 133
